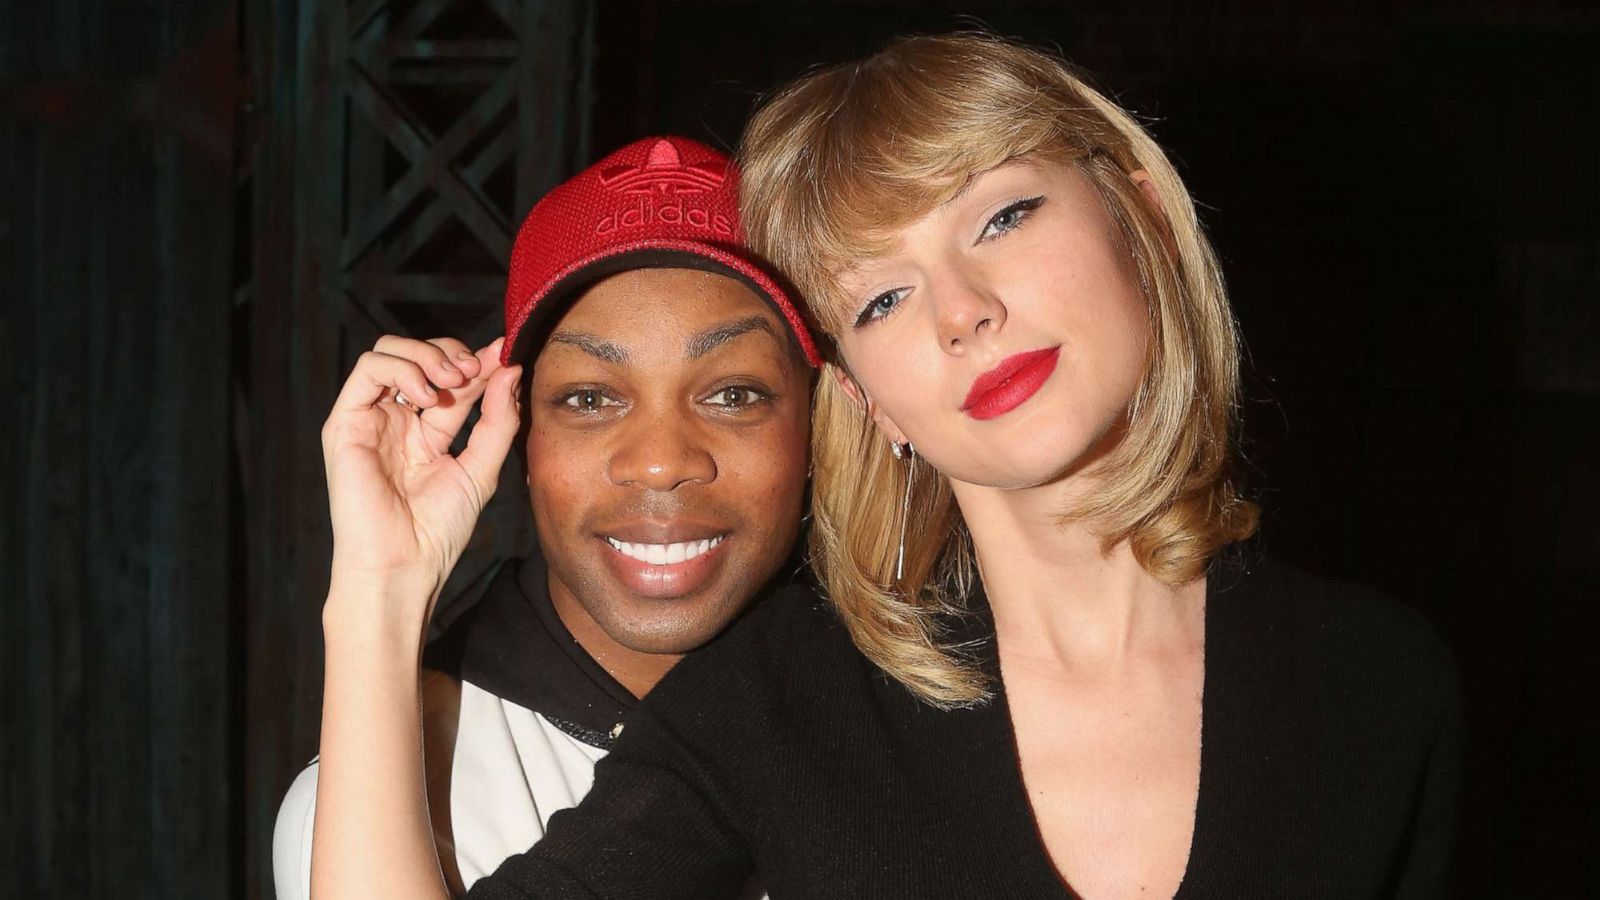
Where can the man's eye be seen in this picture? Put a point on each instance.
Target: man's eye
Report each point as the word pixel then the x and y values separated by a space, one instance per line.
pixel 881 306
pixel 587 400
pixel 1009 219
pixel 735 397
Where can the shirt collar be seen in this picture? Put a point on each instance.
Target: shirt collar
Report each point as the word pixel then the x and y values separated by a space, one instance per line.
pixel 510 642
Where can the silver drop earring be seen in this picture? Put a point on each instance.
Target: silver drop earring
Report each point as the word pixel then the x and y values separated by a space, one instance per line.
pixel 909 454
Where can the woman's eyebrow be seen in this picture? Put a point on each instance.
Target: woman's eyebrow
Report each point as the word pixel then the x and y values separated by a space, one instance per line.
pixel 966 188
pixel 714 337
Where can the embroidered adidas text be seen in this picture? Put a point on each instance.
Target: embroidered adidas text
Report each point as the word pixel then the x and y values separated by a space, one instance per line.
pixel 647 212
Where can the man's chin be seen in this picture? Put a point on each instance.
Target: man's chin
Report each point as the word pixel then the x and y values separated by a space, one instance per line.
pixel 663 632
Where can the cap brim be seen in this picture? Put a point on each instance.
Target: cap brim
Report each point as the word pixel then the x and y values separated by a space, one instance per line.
pixel 659 254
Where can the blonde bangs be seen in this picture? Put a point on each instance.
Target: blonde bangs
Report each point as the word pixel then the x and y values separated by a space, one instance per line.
pixel 853 153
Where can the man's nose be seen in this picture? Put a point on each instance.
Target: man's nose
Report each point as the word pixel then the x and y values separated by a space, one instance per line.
pixel 661 450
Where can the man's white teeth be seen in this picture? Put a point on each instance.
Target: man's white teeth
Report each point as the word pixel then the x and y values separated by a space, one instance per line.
pixel 664 554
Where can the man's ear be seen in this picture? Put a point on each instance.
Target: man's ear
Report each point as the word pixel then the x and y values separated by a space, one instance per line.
pixel 861 399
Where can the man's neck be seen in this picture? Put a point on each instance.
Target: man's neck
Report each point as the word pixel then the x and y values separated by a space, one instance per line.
pixel 635 670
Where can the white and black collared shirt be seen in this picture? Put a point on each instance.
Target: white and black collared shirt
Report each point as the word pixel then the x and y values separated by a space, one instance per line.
pixel 537 712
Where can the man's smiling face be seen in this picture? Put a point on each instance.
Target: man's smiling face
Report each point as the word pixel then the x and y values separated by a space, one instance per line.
pixel 666 455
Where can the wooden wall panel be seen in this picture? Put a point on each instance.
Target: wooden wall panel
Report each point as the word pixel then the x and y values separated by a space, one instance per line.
pixel 115 609
pixel 396 145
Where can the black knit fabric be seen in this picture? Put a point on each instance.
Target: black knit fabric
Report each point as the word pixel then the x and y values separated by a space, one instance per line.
pixel 1329 767
pixel 510 641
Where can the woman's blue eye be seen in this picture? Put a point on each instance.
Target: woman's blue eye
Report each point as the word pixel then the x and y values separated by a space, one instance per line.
pixel 881 306
pixel 1010 218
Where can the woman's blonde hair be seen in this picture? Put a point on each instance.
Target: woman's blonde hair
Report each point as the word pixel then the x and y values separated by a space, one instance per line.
pixel 833 164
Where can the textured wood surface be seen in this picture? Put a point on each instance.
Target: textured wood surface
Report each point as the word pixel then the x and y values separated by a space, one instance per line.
pixel 203 226
pixel 395 148
pixel 118 581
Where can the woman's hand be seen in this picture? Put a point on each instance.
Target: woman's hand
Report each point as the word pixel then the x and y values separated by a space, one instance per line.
pixel 403 509
pixel 402 506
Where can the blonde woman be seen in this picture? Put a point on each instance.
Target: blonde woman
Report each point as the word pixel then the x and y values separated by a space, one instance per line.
pixel 1040 670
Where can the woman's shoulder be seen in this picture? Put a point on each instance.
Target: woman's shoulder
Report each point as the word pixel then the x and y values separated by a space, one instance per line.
pixel 795 619
pixel 1339 630
pixel 1314 600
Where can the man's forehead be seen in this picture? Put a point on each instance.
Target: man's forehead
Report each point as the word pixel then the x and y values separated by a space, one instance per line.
pixel 647 311
pixel 685 294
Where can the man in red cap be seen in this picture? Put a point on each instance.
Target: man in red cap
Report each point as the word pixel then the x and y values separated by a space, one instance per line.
pixel 664 418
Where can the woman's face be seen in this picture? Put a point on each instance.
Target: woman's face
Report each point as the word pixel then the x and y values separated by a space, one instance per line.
pixel 1004 335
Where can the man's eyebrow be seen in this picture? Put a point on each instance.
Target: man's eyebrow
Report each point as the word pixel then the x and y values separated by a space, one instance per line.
pixel 594 345
pixel 712 338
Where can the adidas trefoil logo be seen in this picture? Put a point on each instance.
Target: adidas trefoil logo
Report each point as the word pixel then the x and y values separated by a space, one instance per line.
pixel 664 187
pixel 664 173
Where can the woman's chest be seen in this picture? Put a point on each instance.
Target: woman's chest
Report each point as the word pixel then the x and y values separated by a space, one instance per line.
pixel 1112 776
pixel 891 800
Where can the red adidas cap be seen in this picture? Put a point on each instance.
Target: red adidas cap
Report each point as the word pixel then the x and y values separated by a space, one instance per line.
pixel 663 202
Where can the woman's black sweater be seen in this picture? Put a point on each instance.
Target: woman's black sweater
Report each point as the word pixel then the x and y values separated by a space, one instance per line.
pixel 1329 766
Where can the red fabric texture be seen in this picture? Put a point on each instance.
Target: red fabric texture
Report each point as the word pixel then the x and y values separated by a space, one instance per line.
pixel 659 193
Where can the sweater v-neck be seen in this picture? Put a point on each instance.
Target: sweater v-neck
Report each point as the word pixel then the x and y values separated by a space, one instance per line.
pixel 1018 806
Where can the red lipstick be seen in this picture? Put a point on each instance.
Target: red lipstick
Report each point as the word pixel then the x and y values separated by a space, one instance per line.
pixel 1009 384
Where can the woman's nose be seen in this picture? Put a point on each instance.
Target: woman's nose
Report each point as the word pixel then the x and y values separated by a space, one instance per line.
pixel 660 452
pixel 965 309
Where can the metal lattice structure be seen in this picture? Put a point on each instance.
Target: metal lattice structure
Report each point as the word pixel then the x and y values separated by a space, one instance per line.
pixel 451 131
pixel 396 144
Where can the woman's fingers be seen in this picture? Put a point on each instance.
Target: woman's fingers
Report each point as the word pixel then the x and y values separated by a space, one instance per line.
pixel 445 362
pixel 448 362
pixel 376 374
pixel 404 367
pixel 488 357
pixel 491 438
pixel 443 421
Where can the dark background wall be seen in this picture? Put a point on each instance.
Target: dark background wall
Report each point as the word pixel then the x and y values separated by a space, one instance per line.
pixel 119 761
pixel 211 205
pixel 1406 200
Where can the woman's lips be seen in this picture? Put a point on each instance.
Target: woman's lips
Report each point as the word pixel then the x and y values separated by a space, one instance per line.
pixel 1009 384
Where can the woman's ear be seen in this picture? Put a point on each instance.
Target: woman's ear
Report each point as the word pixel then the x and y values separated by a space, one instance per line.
pixel 863 401
pixel 1152 196
pixel 848 384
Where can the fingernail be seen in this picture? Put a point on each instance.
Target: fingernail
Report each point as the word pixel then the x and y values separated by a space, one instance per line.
pixel 449 365
pixel 464 355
